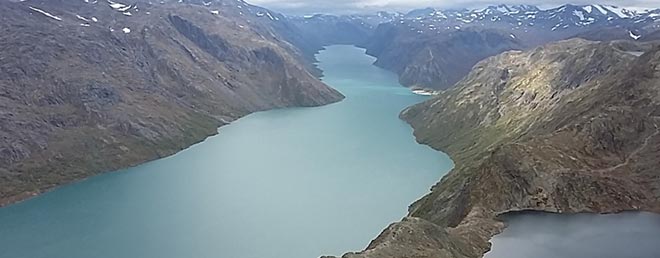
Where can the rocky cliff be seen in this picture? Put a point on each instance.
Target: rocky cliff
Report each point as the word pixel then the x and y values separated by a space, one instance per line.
pixel 94 86
pixel 435 61
pixel 567 127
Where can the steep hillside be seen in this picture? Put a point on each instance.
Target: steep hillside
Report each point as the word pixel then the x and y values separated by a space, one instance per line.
pixel 87 87
pixel 417 45
pixel 438 61
pixel 567 127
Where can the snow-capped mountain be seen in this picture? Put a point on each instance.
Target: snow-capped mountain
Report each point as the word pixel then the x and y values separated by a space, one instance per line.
pixel 452 37
pixel 525 18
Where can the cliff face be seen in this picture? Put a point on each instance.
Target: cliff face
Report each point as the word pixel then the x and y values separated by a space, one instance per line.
pixel 436 61
pixel 98 86
pixel 324 30
pixel 567 127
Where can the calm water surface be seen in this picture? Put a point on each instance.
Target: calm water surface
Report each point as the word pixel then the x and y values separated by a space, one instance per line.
pixel 545 235
pixel 293 183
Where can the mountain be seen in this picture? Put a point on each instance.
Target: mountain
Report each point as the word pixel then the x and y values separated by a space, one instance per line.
pixel 94 86
pixel 566 127
pixel 311 33
pixel 441 59
pixel 322 30
pixel 522 20
pixel 413 45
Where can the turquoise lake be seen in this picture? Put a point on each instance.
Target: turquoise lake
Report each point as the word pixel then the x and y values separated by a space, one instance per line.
pixel 291 183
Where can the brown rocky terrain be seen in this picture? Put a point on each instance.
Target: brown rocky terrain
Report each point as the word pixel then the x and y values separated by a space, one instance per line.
pixel 94 86
pixel 567 127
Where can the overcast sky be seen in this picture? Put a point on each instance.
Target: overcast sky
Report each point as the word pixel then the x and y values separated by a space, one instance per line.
pixel 356 6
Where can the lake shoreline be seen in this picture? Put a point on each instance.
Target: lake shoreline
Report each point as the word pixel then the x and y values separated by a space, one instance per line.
pixel 555 159
pixel 26 196
pixel 473 238
pixel 261 174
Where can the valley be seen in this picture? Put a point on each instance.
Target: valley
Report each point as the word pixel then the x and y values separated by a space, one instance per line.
pixel 435 48
pixel 220 128
pixel 319 176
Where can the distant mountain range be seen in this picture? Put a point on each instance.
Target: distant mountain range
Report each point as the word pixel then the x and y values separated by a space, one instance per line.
pixel 515 17
pixel 434 48
pixel 521 19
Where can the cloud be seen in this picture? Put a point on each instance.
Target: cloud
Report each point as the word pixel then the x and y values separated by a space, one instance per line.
pixel 363 6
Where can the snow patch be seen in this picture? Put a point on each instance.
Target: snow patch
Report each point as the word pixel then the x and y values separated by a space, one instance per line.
pixel 118 6
pixel 622 13
pixel 601 9
pixel 633 36
pixel 579 14
pixel 271 17
pixel 124 9
pixel 45 13
pixel 82 18
pixel 556 27
pixel 262 14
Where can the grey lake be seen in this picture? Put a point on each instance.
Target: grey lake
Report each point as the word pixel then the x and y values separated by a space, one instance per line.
pixel 547 235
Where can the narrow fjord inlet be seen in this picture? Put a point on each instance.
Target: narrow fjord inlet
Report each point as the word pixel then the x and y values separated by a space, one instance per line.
pixel 294 183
